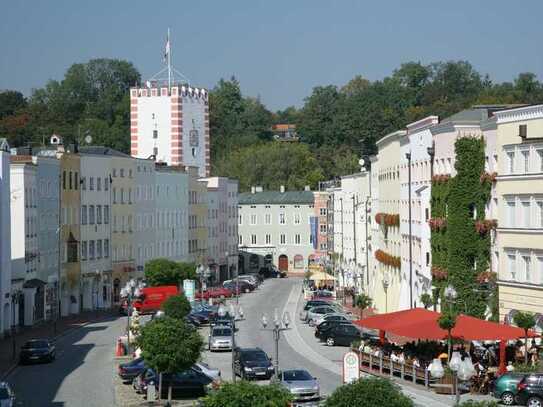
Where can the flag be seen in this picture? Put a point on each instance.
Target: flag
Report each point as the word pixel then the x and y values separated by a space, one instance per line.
pixel 167 48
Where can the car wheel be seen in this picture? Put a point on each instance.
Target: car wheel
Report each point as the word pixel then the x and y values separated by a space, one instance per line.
pixel 508 398
pixel 330 341
pixel 534 402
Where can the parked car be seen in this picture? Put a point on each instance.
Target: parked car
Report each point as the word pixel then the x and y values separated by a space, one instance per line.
pixel 7 397
pixel 130 370
pixel 329 317
pixel 150 299
pixel 37 350
pixel 241 286
pixel 505 387
pixel 341 334
pixel 323 295
pixel 199 316
pixel 530 390
pixel 214 292
pixel 310 304
pixel 314 312
pixel 301 385
pixel 252 363
pixel 191 382
pixel 220 338
pixel 209 371
pixel 193 320
pixel 250 278
pixel 326 325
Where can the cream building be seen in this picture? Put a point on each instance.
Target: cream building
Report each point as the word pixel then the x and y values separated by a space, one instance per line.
pixel 520 211
pixel 197 226
pixel 386 242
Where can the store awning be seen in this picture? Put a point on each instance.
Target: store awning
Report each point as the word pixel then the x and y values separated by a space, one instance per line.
pixel 321 276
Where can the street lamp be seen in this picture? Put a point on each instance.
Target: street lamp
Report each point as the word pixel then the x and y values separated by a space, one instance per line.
pixel 462 369
pixel 408 157
pixel 277 328
pixel 386 284
pixel 202 272
pixel 450 293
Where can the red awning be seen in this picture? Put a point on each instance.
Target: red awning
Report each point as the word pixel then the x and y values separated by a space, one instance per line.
pixel 419 323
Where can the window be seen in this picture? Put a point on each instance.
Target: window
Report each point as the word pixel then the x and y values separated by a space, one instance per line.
pixel 526 161
pixel 540 269
pixel 106 248
pixel 427 258
pixel 91 215
pixel 510 213
pixel 106 184
pixel 281 218
pixel 106 214
pixel 155 133
pixel 114 172
pixel 98 184
pixel 155 151
pixel 76 181
pixel 253 239
pixel 240 239
pixel 114 195
pixel 130 173
pixel 310 239
pixel 527 271
pixel 91 183
pixel 91 249
pixel 297 219
pixel 268 219
pixel 83 214
pixel 323 211
pixel 297 239
pixel 298 261
pixel 268 239
pixel 99 249
pixel 526 214
pixel 71 180
pixel 283 239
pixel 240 220
pixel 63 179
pixel 121 171
pixel 322 228
pixel 540 157
pixel 253 219
pixel 84 183
pixel 99 214
pixel 512 266
pixel 83 250
pixel 510 161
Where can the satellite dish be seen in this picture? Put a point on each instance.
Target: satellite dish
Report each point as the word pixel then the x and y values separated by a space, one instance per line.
pixel 88 139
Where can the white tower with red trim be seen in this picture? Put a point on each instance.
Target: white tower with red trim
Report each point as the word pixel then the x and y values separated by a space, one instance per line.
pixel 171 124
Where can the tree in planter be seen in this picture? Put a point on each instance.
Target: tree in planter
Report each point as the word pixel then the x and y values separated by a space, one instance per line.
pixel 362 301
pixel 369 393
pixel 168 272
pixel 526 321
pixel 169 345
pixel 426 300
pixel 176 306
pixel 447 321
pixel 245 394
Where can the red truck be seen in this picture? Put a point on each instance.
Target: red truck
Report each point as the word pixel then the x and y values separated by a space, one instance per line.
pixel 151 298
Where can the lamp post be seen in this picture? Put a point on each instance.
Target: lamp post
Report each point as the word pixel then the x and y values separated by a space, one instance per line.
pixel 203 273
pixel 386 283
pixel 408 156
pixel 462 368
pixel 278 327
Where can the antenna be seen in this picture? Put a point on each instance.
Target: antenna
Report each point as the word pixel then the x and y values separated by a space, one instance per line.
pixel 169 54
pixel 169 69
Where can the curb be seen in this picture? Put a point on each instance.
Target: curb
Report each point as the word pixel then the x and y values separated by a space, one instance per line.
pixel 10 370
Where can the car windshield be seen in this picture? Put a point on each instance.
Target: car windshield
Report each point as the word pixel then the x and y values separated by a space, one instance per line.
pixel 4 394
pixel 36 344
pixel 293 375
pixel 257 356
pixel 222 332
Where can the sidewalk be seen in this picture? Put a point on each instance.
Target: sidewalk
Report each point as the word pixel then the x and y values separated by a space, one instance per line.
pixel 10 346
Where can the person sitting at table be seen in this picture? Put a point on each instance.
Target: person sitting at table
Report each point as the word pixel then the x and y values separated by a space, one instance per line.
pixel 367 348
pixel 377 352
pixel 415 362
pixel 394 357
pixel 401 358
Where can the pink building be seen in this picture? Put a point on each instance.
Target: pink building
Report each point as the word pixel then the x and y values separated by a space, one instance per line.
pixel 321 213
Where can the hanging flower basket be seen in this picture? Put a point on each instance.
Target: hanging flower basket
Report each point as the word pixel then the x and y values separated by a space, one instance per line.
pixel 387 219
pixel 437 224
pixel 488 177
pixel 387 259
pixel 439 273
pixel 486 277
pixel 441 178
pixel 484 226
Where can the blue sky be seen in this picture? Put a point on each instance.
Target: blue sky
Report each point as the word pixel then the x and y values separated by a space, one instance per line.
pixel 278 49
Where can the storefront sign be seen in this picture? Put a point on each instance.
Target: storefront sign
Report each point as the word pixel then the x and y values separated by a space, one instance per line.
pixel 351 367
pixel 189 287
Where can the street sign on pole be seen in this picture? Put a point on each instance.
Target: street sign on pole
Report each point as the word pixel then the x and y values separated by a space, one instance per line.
pixel 351 367
pixel 189 287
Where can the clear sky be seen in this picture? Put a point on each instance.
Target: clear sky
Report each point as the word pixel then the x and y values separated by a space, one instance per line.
pixel 278 49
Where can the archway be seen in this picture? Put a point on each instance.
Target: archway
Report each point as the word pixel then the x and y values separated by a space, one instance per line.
pixel 116 290
pixel 254 262
pixel 283 262
pixel 268 259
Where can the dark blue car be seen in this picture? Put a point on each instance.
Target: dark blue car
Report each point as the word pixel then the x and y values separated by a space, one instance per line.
pixel 128 371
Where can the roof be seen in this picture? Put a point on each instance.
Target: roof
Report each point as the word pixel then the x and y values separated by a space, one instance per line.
pixel 101 150
pixel 33 283
pixel 276 198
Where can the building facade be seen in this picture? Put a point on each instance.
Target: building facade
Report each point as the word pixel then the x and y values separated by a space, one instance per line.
pixel 276 227
pixel 197 225
pixel 519 190
pixel 145 227
pixel 321 214
pixel 6 301
pixel 171 124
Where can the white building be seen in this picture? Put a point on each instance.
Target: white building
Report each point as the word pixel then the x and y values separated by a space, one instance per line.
pixel 145 210
pixel 6 301
pixel 96 240
pixel 415 185
pixel 26 288
pixel 172 207
pixel 232 191
pixel 171 124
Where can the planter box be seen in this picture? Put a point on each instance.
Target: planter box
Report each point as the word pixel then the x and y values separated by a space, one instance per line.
pixel 445 385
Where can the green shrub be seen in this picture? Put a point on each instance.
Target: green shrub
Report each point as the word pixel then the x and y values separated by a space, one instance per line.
pixel 484 403
pixel 176 306
pixel 369 392
pixel 245 394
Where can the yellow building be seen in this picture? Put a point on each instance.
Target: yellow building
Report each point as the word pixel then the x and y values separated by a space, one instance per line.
pixel 519 189
pixel 197 218
pixel 385 274
pixel 70 198
pixel 122 233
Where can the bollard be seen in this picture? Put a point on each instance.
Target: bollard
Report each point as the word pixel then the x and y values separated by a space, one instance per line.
pixel 151 391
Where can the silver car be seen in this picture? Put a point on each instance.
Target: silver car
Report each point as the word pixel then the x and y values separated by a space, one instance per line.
pixel 220 338
pixel 314 312
pixel 209 371
pixel 301 385
pixel 328 317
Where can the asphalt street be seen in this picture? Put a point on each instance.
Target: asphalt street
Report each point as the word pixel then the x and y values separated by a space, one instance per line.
pixel 81 375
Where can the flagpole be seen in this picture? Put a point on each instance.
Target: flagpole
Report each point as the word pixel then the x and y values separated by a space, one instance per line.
pixel 169 61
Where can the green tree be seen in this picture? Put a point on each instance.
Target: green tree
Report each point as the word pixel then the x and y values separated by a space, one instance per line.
pixel 447 321
pixel 176 306
pixel 245 394
pixel 162 271
pixel 362 301
pixel 169 345
pixel 426 300
pixel 369 392
pixel 526 321
pixel 11 101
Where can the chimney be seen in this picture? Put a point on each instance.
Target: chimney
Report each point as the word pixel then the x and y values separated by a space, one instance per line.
pixel 307 188
pixel 253 190
pixel 282 188
pixel 258 188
